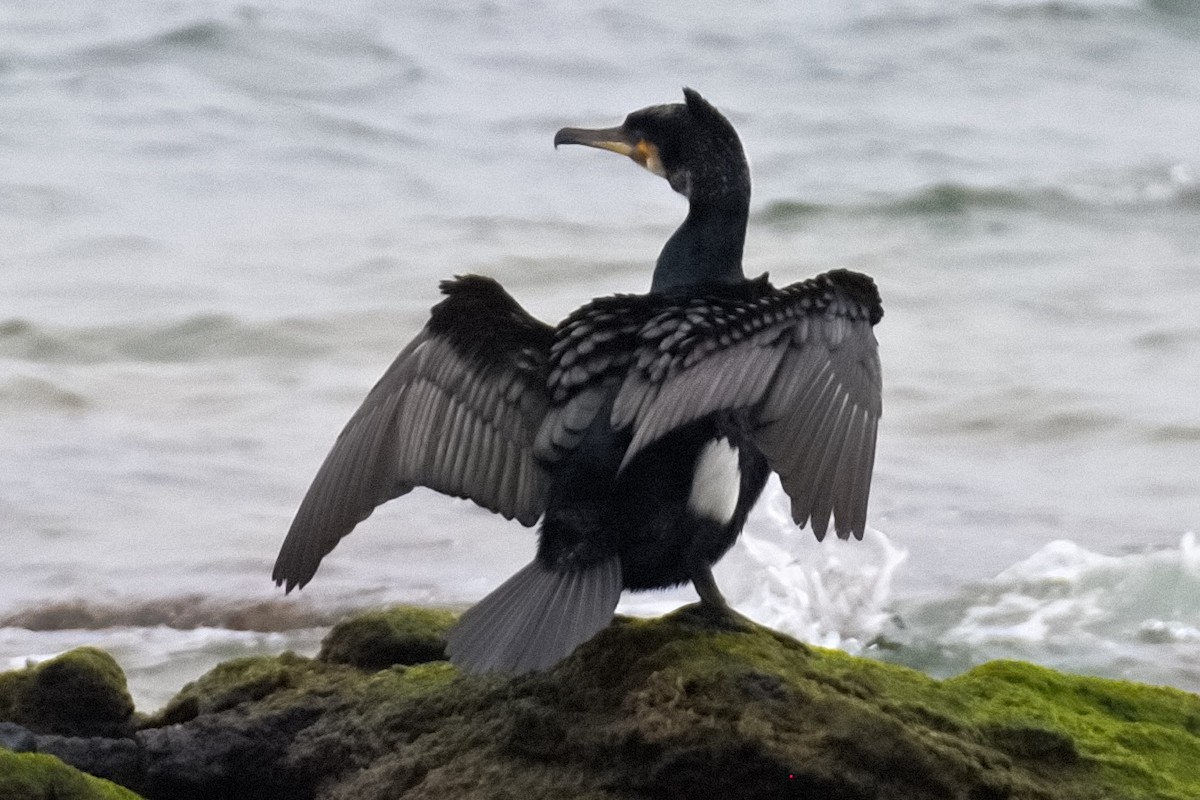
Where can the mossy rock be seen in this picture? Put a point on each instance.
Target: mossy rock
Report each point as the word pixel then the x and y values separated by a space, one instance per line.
pixel 31 776
pixel 683 707
pixel 1144 741
pixel 276 681
pixel 79 693
pixel 379 639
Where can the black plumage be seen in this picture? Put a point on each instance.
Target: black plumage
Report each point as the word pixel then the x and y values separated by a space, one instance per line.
pixel 640 430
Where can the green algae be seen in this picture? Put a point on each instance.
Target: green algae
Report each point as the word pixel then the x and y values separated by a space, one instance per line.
pixel 1145 740
pixel 679 706
pixel 32 776
pixel 379 639
pixel 272 683
pixel 81 692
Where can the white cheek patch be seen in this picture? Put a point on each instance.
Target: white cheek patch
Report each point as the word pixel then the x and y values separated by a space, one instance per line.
pixel 716 483
pixel 655 165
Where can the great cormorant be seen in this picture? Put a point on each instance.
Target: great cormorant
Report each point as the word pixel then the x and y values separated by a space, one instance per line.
pixel 640 430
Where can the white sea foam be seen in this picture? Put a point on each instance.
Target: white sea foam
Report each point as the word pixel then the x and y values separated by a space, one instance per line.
pixel 1133 616
pixel 836 599
pixel 833 593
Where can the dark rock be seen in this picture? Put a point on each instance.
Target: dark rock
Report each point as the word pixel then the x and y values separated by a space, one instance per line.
pixel 17 738
pixel 114 759
pixel 232 754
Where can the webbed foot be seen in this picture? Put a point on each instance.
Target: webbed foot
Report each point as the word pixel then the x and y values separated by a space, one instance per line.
pixel 713 610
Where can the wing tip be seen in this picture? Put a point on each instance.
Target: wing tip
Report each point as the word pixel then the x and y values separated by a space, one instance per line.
pixel 290 575
pixel 288 584
pixel 820 527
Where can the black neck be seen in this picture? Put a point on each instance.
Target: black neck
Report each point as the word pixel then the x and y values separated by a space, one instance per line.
pixel 706 249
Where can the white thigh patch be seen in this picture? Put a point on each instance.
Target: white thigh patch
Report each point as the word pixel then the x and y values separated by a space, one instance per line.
pixel 716 483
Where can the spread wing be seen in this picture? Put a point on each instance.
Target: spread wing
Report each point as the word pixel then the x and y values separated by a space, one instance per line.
pixel 800 362
pixel 457 411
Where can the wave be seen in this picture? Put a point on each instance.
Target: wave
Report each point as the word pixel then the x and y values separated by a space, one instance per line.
pixel 1077 10
pixel 1178 8
pixel 40 202
pixel 1099 15
pixel 936 200
pixel 1134 616
pixel 22 392
pixel 1069 10
pixel 833 593
pixel 267 54
pixel 196 338
pixel 838 599
pixel 194 37
pixel 250 31
pixel 1173 433
pixel 1021 413
pixel 1152 189
pixel 187 612
pixel 1066 11
pixel 203 35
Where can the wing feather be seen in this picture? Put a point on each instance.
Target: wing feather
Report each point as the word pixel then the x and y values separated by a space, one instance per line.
pixel 831 439
pixel 566 424
pixel 800 364
pixel 843 509
pixel 802 437
pixel 457 411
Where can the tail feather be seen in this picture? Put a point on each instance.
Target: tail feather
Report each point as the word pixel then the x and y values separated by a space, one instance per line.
pixel 535 618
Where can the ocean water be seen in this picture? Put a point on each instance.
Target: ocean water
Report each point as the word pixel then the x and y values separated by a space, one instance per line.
pixel 219 222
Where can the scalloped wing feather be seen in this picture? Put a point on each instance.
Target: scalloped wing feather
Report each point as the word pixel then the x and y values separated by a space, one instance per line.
pixel 801 363
pixel 457 411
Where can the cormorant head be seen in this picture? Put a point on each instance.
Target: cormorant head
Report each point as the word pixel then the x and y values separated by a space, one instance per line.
pixel 691 144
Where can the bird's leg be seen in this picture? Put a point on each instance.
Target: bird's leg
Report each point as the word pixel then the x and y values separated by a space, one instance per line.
pixel 706 587
pixel 713 605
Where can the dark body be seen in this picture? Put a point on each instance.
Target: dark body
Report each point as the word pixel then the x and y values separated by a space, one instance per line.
pixel 641 512
pixel 640 431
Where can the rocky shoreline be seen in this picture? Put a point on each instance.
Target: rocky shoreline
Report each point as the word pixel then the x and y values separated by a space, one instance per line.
pixel 673 707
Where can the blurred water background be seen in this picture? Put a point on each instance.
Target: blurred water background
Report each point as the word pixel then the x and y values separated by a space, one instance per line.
pixel 219 221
